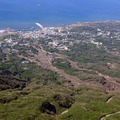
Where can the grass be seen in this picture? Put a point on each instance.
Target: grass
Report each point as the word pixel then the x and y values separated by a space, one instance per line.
pixel 83 75
pixel 114 117
pixel 65 65
pixel 89 104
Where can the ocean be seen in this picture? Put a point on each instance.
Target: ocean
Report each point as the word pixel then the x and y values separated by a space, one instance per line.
pixel 20 14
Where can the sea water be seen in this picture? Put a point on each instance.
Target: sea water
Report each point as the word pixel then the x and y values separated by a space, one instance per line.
pixel 24 13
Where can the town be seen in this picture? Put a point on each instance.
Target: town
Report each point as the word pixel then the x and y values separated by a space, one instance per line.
pixel 62 38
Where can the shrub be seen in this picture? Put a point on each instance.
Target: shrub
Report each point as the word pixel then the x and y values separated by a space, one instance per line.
pixel 64 101
pixel 8 99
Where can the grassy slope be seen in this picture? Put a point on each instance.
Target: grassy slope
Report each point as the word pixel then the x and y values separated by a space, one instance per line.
pixel 89 104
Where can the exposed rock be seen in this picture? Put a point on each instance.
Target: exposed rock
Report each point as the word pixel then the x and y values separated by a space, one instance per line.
pixel 48 108
pixel 10 82
pixel 110 86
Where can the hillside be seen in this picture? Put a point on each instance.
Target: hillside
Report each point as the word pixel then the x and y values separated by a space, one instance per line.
pixel 61 73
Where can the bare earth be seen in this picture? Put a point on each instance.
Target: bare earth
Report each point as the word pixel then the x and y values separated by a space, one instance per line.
pixel 44 59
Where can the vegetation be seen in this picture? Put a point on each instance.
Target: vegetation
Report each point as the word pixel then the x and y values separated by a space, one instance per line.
pixel 65 65
pixel 82 74
pixel 90 57
pixel 9 82
pixel 30 92
pixel 63 100
pixel 89 103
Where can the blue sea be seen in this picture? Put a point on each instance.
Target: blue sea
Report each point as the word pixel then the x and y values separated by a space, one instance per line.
pixel 20 14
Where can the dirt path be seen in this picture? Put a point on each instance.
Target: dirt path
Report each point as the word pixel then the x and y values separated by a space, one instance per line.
pixel 109 83
pixel 109 99
pixel 64 112
pixel 106 116
pixel 47 65
pixel 44 59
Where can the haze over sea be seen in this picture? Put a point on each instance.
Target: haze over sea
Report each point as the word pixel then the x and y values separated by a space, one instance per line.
pixel 24 13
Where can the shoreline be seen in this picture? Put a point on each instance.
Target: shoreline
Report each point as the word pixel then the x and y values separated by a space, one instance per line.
pixel 29 26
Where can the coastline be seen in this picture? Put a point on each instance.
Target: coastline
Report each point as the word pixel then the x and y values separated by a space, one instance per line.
pixel 29 26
